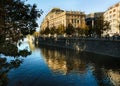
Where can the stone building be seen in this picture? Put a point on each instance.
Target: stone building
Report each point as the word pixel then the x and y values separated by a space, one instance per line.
pixel 58 17
pixel 112 15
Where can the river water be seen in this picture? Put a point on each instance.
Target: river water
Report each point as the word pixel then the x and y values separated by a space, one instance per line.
pixel 48 66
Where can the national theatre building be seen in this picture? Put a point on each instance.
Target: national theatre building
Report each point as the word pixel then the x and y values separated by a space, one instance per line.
pixel 58 17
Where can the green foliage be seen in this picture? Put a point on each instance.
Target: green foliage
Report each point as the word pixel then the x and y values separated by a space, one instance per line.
pixel 61 29
pixel 53 30
pixel 10 49
pixel 5 68
pixel 24 53
pixel 46 31
pixel 18 18
pixel 100 26
pixel 2 37
pixel 82 31
pixel 70 29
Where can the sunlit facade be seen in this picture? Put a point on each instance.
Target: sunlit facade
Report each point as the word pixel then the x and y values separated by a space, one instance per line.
pixel 58 17
pixel 112 15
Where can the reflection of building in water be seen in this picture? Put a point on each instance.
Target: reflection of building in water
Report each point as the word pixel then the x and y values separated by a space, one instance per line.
pixel 114 77
pixel 57 66
pixel 31 42
pixel 31 45
pixel 62 62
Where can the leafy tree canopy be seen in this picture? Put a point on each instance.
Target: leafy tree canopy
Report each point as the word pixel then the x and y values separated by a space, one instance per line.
pixel 18 18
pixel 101 26
pixel 70 29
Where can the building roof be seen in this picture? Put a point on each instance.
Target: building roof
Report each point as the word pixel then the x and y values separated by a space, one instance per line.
pixel 56 10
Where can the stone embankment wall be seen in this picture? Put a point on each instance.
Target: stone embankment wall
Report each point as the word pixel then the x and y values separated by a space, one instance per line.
pixel 98 46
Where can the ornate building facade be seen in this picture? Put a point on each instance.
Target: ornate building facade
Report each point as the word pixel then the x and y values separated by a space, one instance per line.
pixel 58 17
pixel 112 15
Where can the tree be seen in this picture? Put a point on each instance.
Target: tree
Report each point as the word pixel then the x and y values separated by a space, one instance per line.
pixel 18 18
pixel 70 29
pixel 46 31
pixel 86 30
pixel 100 26
pixel 53 30
pixel 82 31
pixel 61 29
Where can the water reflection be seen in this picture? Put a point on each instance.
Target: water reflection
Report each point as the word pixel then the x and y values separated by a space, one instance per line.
pixel 114 77
pixel 105 70
pixel 10 59
pixel 63 62
pixel 48 66
pixel 5 67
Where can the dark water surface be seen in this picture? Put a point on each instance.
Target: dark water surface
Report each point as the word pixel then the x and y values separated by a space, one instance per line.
pixel 48 66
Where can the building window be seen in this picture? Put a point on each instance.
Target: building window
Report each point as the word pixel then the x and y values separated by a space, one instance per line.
pixel 77 21
pixel 110 12
pixel 110 16
pixel 114 10
pixel 72 20
pixel 114 15
pixel 117 5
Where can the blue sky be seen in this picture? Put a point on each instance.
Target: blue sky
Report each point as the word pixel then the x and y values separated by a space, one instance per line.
pixel 87 6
